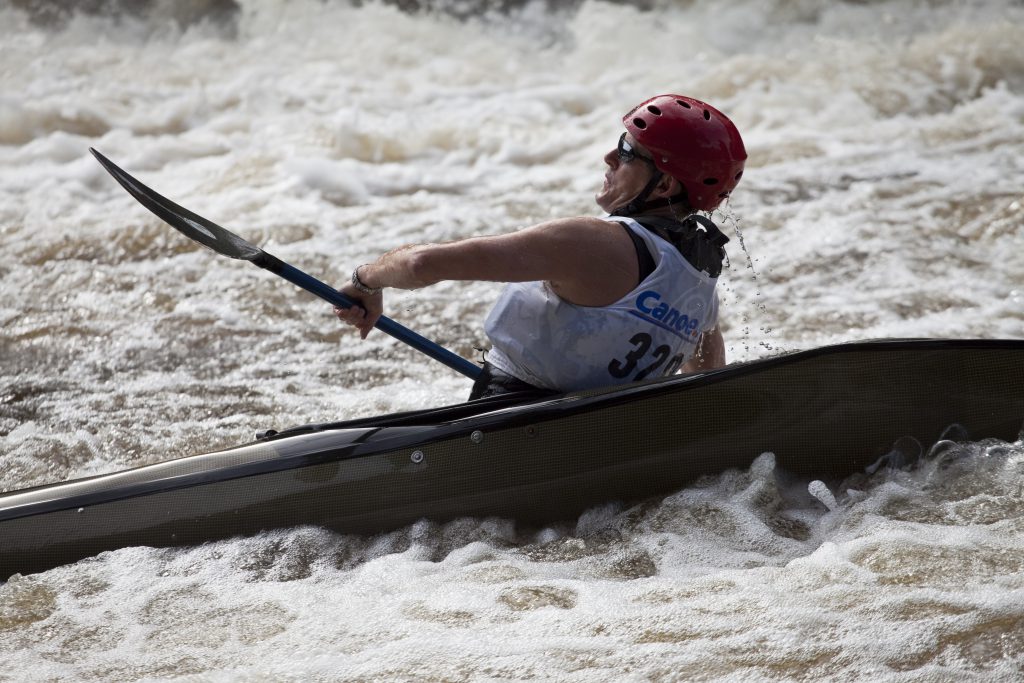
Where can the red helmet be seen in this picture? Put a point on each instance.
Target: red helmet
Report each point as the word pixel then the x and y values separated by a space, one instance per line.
pixel 693 142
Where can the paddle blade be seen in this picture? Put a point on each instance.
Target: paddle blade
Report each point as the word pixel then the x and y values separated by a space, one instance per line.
pixel 192 225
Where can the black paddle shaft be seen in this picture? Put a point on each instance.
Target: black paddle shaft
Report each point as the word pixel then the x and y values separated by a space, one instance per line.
pixel 227 243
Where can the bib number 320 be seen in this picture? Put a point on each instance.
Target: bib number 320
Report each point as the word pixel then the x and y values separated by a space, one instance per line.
pixel 641 360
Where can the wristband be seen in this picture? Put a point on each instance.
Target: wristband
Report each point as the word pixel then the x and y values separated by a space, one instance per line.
pixel 360 285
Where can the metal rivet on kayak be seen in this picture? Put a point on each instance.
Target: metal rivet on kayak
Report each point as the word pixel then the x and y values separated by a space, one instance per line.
pixel 477 436
pixel 416 457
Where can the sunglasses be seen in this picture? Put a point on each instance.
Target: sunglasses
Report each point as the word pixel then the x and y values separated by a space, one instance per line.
pixel 627 153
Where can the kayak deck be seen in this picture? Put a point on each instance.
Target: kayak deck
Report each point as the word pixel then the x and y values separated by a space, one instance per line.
pixel 825 413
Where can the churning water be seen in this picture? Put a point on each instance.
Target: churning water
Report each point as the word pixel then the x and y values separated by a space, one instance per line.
pixel 883 198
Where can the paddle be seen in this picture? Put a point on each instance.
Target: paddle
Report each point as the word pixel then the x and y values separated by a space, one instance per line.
pixel 229 244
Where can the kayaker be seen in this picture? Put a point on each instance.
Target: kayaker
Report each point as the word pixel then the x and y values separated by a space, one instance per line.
pixel 596 301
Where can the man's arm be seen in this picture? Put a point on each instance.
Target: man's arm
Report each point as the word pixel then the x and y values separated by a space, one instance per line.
pixel 587 261
pixel 566 252
pixel 710 352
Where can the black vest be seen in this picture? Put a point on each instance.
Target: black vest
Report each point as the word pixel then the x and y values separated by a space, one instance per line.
pixel 697 238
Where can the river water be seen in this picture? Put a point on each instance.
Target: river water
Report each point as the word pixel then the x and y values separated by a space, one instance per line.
pixel 883 198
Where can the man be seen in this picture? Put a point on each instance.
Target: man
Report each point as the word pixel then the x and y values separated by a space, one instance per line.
pixel 598 301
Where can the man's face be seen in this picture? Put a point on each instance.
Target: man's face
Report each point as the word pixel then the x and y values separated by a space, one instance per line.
pixel 629 169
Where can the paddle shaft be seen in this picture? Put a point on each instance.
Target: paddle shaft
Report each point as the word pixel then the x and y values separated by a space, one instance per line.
pixel 384 324
pixel 227 243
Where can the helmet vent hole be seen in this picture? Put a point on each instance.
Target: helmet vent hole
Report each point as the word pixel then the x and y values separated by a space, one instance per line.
pixel 711 181
pixel 654 110
pixel 683 103
pixel 723 195
pixel 739 175
pixel 640 123
pixel 707 115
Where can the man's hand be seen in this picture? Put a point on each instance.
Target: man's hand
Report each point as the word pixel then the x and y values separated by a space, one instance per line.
pixel 365 314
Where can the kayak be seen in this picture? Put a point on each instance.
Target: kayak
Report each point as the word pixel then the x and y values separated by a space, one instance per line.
pixel 824 413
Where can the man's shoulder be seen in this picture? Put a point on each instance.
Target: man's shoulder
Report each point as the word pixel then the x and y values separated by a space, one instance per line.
pixel 580 225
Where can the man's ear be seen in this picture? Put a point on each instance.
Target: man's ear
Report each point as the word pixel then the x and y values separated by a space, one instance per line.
pixel 666 187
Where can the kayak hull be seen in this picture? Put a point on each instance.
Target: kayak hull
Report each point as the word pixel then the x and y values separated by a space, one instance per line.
pixel 825 414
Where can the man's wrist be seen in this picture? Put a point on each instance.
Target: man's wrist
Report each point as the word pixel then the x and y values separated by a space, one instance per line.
pixel 362 286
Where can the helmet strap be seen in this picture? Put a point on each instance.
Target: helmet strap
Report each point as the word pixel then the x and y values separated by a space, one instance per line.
pixel 639 203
